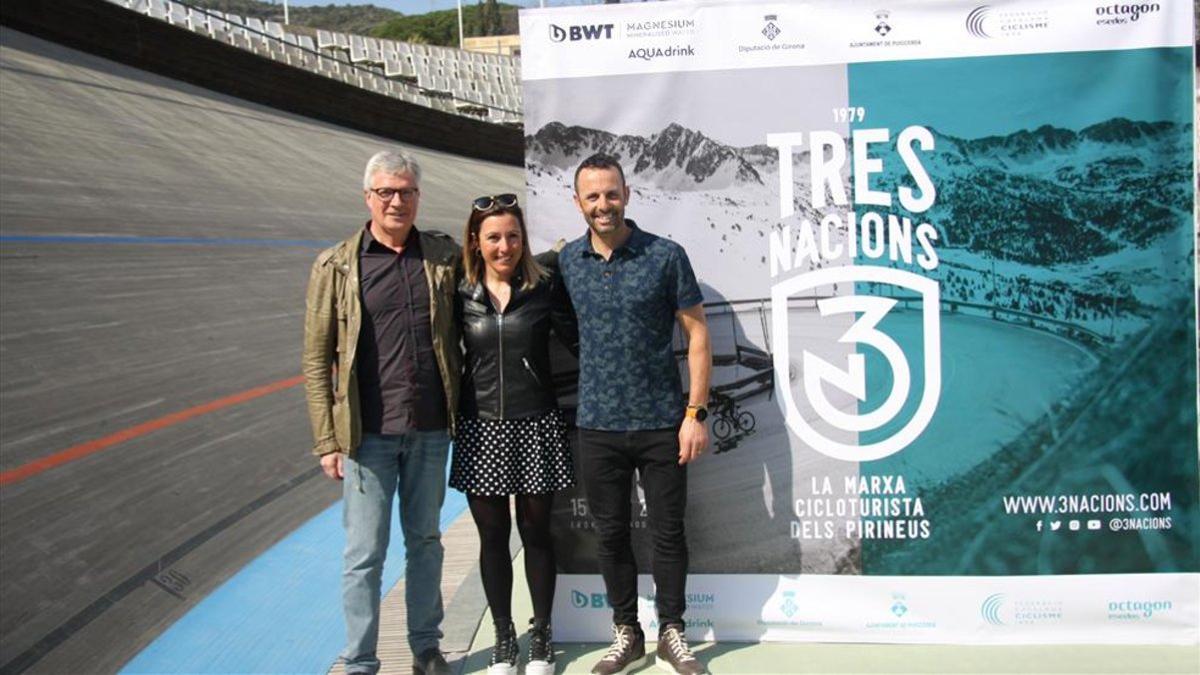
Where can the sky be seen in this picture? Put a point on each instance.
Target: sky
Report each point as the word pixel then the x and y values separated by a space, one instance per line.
pixel 422 6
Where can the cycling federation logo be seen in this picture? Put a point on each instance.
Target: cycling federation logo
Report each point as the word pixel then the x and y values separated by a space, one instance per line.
pixel 987 22
pixel 819 374
pixel 998 609
pixel 976 20
pixel 990 609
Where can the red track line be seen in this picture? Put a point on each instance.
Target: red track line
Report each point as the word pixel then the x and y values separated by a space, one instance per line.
pixel 84 449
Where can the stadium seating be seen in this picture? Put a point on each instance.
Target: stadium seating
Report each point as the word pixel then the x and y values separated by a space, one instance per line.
pixel 485 86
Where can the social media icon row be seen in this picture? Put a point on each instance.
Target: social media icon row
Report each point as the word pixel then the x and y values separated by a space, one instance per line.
pixel 1072 525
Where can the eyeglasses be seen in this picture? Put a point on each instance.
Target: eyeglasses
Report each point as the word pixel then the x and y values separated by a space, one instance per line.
pixel 385 194
pixel 504 201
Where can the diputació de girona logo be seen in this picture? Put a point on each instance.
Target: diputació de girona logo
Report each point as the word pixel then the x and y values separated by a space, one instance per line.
pixel 771 30
pixel 817 372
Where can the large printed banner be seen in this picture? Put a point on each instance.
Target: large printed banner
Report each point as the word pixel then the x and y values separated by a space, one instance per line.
pixel 948 256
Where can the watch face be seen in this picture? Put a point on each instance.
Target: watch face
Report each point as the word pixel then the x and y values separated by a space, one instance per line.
pixel 701 414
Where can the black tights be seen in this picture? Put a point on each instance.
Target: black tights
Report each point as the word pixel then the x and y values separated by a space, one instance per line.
pixel 491 516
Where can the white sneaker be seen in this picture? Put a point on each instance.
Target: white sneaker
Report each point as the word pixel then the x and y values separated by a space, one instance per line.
pixel 506 653
pixel 541 649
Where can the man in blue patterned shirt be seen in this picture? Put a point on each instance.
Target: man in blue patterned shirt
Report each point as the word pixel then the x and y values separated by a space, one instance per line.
pixel 629 288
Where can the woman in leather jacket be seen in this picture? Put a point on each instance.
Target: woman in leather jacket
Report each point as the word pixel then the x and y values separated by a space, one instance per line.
pixel 510 436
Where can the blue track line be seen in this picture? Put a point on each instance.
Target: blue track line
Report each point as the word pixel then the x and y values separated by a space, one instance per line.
pixel 131 239
pixel 282 613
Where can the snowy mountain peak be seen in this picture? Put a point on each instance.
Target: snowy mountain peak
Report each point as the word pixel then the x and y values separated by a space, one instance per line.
pixel 1121 130
pixel 675 157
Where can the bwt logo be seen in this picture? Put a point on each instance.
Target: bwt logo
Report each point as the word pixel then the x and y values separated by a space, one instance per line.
pixel 581 600
pixel 598 31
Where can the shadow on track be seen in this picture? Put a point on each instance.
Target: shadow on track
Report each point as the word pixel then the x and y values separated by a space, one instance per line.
pixel 100 554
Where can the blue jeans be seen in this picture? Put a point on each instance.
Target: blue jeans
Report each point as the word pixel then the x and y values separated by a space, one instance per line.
pixel 414 466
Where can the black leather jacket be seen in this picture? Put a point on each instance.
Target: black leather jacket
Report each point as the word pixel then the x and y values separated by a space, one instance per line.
pixel 507 365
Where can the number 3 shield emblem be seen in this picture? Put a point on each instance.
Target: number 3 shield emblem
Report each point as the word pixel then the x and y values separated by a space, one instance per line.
pixel 819 376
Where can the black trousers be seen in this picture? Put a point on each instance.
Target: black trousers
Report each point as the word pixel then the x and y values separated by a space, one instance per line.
pixel 608 460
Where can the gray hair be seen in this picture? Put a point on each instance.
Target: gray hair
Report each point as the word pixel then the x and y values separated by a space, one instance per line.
pixel 393 163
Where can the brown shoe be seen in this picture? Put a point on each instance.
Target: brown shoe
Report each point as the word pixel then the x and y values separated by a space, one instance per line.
pixel 430 662
pixel 628 650
pixel 674 655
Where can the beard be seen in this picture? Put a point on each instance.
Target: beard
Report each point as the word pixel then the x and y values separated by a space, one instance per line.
pixel 615 219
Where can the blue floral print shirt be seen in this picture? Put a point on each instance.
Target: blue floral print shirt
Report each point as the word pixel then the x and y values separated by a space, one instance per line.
pixel 629 378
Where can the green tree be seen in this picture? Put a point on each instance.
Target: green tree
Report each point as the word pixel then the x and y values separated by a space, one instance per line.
pixel 360 19
pixel 441 27
pixel 491 21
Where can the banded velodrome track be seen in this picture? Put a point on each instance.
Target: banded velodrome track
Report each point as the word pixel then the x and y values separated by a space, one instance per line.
pixel 155 241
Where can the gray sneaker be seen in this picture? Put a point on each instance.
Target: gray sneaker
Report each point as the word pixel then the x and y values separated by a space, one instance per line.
pixel 674 655
pixel 628 650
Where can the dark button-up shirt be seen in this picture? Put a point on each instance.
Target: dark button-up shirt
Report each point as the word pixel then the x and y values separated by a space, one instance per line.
pixel 628 375
pixel 399 386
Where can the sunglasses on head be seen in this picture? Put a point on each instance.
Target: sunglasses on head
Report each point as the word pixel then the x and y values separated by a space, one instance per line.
pixel 487 203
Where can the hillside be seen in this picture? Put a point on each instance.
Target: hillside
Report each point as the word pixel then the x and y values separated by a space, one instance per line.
pixel 361 19
pixel 1078 227
pixel 438 28
pixel 1140 397
pixel 441 27
pixel 1042 197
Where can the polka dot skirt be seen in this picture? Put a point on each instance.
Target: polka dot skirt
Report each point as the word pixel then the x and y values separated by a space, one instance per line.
pixel 528 455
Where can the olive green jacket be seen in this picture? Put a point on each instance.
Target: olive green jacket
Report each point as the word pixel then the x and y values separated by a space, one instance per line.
pixel 331 324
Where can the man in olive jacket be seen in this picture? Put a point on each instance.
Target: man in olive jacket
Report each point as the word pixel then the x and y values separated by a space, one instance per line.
pixel 381 370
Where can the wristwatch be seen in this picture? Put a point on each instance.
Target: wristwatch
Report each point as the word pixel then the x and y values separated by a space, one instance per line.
pixel 697 412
